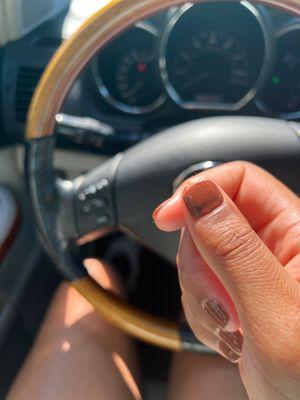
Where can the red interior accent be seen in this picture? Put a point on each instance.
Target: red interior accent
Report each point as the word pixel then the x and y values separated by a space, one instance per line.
pixel 10 238
pixel 142 67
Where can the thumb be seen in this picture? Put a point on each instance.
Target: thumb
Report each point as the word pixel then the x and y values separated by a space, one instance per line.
pixel 258 284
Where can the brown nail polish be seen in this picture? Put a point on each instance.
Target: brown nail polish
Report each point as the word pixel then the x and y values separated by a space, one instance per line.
pixel 229 353
pixel 157 210
pixel 202 198
pixel 217 312
pixel 233 339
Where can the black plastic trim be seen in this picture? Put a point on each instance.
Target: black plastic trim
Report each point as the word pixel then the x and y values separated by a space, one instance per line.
pixel 45 199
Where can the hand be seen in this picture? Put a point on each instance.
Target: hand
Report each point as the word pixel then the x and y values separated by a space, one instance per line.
pixel 239 270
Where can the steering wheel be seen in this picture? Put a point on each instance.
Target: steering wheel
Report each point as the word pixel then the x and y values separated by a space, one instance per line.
pixel 123 192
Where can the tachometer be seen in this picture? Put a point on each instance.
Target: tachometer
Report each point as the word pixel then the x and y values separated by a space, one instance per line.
pixel 281 95
pixel 127 74
pixel 213 55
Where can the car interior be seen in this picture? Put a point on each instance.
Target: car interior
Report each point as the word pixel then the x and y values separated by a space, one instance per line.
pixel 106 109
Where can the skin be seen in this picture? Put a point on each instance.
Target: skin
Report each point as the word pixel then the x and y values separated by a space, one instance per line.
pixel 77 355
pixel 204 377
pixel 246 255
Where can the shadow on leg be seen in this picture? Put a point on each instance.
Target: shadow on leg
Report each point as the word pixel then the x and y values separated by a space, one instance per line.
pixel 204 377
pixel 78 355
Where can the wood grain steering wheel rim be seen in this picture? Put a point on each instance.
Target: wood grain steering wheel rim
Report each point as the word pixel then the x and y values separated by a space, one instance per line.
pixel 61 73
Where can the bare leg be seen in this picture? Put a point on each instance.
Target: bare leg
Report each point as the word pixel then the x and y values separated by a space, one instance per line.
pixel 77 355
pixel 204 377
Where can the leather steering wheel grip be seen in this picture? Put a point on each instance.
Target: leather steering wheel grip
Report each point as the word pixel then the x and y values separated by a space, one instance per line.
pixel 58 78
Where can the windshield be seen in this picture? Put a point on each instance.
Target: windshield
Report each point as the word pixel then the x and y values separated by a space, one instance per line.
pixel 79 11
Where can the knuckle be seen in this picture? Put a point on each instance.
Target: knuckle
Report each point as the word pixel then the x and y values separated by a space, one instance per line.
pixel 235 241
pixel 244 164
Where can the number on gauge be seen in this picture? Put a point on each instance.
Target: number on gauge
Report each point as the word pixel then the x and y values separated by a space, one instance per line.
pixel 127 74
pixel 211 66
pixel 133 80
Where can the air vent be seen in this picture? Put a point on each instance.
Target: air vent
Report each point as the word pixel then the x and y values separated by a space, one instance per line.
pixel 28 79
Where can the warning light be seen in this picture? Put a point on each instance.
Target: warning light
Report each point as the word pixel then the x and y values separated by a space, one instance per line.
pixel 142 67
pixel 275 80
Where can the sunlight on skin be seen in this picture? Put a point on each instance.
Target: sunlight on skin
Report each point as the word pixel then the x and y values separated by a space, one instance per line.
pixel 77 354
pixel 66 346
pixel 83 308
pixel 98 272
pixel 74 314
pixel 127 375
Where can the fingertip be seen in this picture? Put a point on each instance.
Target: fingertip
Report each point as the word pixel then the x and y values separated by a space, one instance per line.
pixel 168 216
pixel 228 353
pixel 233 324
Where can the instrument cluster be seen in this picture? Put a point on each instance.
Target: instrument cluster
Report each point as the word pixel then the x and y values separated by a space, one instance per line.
pixel 213 56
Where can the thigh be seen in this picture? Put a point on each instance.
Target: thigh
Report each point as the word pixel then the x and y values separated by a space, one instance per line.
pixel 204 377
pixel 77 355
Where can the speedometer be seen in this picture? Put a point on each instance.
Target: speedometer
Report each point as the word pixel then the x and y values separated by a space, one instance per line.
pixel 207 62
pixel 211 67
pixel 127 73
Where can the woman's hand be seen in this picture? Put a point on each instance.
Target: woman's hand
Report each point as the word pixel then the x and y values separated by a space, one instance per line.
pixel 239 270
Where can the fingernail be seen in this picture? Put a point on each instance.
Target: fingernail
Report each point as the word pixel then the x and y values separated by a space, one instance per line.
pixel 229 353
pixel 217 312
pixel 159 208
pixel 202 198
pixel 233 339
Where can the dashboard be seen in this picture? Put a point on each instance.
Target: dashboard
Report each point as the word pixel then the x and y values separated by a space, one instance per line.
pixel 189 62
pixel 200 60
pixel 208 56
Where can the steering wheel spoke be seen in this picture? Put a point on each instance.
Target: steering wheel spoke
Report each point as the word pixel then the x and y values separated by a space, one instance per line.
pixel 84 130
pixel 87 202
pixel 92 132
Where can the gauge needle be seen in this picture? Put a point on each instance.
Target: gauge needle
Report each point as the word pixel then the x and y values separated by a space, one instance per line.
pixel 201 77
pixel 139 83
